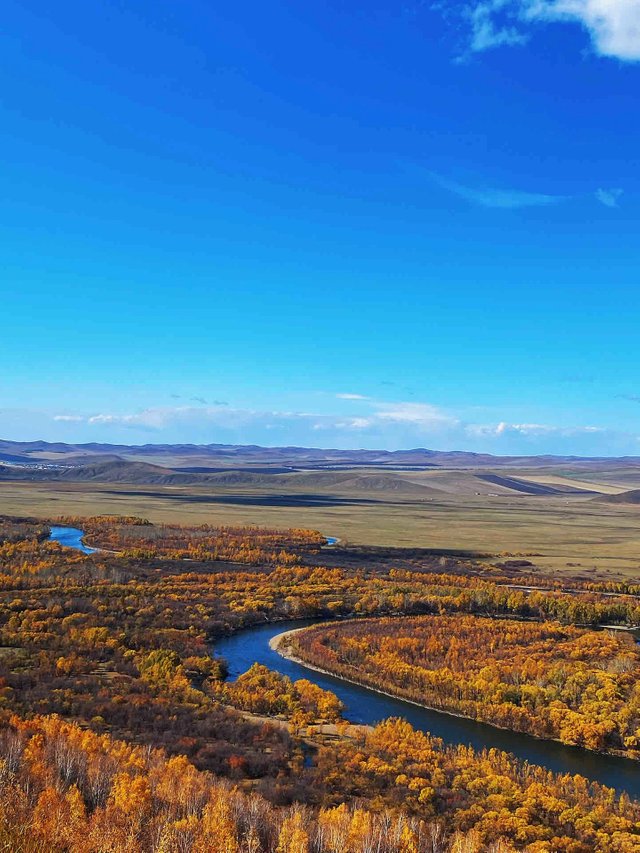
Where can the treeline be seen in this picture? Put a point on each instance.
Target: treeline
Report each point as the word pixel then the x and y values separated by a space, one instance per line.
pixel 611 587
pixel 21 529
pixel 577 686
pixel 476 595
pixel 139 538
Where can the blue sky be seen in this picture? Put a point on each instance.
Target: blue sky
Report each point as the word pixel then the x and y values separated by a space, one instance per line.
pixel 339 224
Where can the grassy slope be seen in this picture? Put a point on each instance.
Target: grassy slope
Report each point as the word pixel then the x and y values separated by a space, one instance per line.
pixel 574 534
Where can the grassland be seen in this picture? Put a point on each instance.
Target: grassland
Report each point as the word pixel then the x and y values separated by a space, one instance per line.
pixel 565 529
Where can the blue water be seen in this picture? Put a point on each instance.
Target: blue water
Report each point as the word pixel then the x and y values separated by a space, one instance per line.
pixel 70 537
pixel 365 706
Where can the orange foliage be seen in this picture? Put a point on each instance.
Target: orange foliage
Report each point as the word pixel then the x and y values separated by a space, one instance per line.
pixel 121 645
pixel 581 687
pixel 67 790
pixel 138 538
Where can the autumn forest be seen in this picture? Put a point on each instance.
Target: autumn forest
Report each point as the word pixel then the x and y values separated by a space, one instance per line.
pixel 120 729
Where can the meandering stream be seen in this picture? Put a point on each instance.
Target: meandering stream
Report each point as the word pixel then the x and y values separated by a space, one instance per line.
pixel 366 706
pixel 71 537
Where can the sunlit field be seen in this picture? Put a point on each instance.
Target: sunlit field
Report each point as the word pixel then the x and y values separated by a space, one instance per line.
pixel 573 534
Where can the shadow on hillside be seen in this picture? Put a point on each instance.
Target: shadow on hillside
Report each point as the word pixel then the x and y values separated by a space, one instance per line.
pixel 252 500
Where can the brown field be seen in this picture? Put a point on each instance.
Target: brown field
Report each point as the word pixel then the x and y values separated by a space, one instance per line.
pixel 571 534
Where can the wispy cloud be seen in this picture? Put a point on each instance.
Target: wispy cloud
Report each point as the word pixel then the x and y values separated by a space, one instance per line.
pixel 512 199
pixel 422 418
pixel 608 197
pixel 612 25
pixel 351 397
pixel 421 415
pixel 381 424
pixel 492 25
pixel 201 400
pixel 532 430
pixel 163 417
pixel 494 197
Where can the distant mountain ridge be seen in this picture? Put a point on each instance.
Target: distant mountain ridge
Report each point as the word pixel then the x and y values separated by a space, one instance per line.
pixel 239 456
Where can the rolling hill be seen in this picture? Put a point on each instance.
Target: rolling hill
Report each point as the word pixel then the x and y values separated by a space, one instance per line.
pixel 630 497
pixel 302 458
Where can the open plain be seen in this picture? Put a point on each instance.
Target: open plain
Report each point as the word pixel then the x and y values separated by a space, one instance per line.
pixel 570 518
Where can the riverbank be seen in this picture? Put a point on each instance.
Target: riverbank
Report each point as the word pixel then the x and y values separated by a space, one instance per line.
pixel 278 644
pixel 313 734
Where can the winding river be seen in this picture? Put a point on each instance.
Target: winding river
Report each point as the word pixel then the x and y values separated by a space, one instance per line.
pixel 71 537
pixel 366 706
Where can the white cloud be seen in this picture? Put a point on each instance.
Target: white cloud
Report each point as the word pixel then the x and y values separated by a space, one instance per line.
pixel 351 397
pixel 420 415
pixel 165 417
pixel 531 430
pixel 608 197
pixel 510 199
pixel 612 25
pixel 423 417
pixel 382 425
pixel 359 423
pixel 420 419
pixel 495 197
pixel 487 32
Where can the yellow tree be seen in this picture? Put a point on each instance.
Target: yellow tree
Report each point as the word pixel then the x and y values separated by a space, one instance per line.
pixel 408 842
pixel 293 837
pixel 217 827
